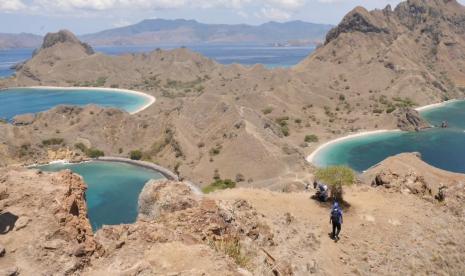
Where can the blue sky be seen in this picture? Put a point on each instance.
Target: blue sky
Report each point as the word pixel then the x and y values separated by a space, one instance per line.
pixel 86 16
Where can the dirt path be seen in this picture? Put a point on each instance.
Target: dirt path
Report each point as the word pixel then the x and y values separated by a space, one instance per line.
pixel 380 231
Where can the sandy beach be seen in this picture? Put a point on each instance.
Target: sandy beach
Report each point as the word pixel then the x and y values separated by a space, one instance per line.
pixel 311 157
pixel 150 99
pixel 435 105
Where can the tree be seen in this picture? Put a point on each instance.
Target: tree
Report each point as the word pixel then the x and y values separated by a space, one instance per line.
pixel 336 177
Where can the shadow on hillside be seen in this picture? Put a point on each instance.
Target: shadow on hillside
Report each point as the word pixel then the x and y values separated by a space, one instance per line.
pixel 329 203
pixel 7 222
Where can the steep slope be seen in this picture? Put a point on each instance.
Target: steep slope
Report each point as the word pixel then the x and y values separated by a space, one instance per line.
pixel 415 51
pixel 161 31
pixel 253 124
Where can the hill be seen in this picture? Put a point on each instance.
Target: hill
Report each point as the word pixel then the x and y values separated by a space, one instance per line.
pixel 23 40
pixel 180 31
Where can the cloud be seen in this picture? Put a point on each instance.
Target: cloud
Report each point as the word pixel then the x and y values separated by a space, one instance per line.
pixel 11 5
pixel 274 14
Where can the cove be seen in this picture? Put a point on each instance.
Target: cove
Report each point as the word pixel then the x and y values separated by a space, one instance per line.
pixel 113 189
pixel 17 101
pixel 442 148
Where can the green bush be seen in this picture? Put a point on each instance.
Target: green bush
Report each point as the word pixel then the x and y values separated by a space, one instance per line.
pixel 336 177
pixel 267 110
pixel 312 138
pixel 94 153
pixel 135 155
pixel 89 152
pixel 219 184
pixel 53 141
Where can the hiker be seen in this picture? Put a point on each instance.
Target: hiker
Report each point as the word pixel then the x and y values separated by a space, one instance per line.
pixel 322 191
pixel 336 219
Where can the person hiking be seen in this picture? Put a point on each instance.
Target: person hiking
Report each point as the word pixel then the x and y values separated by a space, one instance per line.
pixel 336 219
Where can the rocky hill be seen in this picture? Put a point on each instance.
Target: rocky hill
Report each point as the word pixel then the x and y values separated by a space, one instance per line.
pixel 211 119
pixel 238 231
pixel 23 40
pixel 180 31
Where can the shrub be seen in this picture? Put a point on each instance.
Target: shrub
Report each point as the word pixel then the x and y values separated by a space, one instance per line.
pixel 219 184
pixel 53 141
pixel 233 249
pixel 285 130
pixel 342 97
pixel 336 177
pixel 267 110
pixel 216 150
pixel 89 152
pixel 135 155
pixel 94 153
pixel 312 138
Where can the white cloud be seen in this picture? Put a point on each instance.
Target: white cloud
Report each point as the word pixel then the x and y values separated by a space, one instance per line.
pixel 11 5
pixel 274 14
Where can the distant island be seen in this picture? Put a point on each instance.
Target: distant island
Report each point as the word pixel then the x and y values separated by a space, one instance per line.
pixel 22 40
pixel 180 31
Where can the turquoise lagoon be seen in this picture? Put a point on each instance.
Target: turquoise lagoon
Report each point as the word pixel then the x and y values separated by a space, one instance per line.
pixel 113 189
pixel 16 101
pixel 442 148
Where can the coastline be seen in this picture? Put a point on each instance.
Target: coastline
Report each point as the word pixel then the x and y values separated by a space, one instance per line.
pixel 435 105
pixel 312 156
pixel 150 99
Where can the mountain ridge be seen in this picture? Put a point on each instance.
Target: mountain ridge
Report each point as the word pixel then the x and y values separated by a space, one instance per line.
pixel 159 31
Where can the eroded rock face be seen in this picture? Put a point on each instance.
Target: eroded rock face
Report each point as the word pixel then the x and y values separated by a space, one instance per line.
pixel 73 212
pixel 410 120
pixel 64 36
pixel 358 20
pixel 44 227
pixel 161 196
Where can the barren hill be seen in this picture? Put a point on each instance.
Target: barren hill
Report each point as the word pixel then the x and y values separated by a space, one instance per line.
pixel 386 231
pixel 253 124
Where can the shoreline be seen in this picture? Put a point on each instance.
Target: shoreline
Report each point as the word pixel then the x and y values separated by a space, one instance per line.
pixel 169 175
pixel 150 99
pixel 435 105
pixel 311 157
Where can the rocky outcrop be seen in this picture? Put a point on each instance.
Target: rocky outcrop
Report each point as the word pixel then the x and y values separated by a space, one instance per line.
pixel 358 20
pixel 73 213
pixel 408 174
pixel 410 120
pixel 64 36
pixel 161 196
pixel 43 223
pixel 23 120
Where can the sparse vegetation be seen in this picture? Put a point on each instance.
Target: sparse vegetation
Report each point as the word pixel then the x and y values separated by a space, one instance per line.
pixel 52 142
pixel 336 177
pixel 311 138
pixel 267 110
pixel 283 123
pixel 89 152
pixel 135 155
pixel 219 184
pixel 233 249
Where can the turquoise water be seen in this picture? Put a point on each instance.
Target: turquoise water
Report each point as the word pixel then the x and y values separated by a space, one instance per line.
pixel 18 101
pixel 113 189
pixel 442 148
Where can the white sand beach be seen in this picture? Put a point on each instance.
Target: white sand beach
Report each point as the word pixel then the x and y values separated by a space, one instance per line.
pixel 312 156
pixel 435 105
pixel 150 99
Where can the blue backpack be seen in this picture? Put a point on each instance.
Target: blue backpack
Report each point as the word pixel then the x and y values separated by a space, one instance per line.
pixel 335 215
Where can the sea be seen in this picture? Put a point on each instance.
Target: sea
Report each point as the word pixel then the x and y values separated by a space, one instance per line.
pixel 441 147
pixel 113 189
pixel 270 57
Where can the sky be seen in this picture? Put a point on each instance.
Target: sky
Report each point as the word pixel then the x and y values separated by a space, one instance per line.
pixel 88 16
